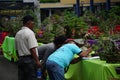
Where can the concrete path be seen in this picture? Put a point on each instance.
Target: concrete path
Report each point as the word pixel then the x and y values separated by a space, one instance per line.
pixel 8 70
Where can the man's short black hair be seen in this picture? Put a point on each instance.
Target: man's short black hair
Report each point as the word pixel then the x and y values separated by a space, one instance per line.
pixel 27 18
pixel 59 40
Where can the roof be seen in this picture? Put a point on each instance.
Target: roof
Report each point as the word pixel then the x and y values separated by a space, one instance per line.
pixel 86 1
pixel 14 5
pixel 54 5
pixel 10 0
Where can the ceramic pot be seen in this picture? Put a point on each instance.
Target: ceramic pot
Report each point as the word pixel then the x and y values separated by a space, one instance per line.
pixel 117 70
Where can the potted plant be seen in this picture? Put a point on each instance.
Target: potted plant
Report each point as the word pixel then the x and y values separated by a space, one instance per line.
pixel 111 53
pixel 75 27
pixel 108 49
pixel 117 69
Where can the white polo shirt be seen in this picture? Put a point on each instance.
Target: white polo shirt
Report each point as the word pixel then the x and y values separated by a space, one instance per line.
pixel 25 40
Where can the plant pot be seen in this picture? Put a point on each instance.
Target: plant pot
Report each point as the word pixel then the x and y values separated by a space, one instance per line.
pixel 93 55
pixel 102 56
pixel 118 58
pixel 111 59
pixel 117 69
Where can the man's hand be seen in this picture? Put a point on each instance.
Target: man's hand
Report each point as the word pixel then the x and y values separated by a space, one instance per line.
pixel 75 60
pixel 38 64
pixel 86 53
pixel 34 55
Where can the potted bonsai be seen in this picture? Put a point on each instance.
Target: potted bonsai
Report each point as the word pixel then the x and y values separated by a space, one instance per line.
pixel 108 49
pixel 75 27
pixel 110 40
pixel 111 53
pixel 117 69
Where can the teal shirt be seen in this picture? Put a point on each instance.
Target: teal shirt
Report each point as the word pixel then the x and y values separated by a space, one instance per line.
pixel 64 54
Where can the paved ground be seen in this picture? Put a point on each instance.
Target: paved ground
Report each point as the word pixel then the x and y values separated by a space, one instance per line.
pixel 8 70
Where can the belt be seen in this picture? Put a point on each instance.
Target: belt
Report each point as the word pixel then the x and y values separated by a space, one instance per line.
pixel 25 56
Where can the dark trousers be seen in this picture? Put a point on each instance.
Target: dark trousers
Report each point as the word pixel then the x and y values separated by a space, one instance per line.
pixel 27 68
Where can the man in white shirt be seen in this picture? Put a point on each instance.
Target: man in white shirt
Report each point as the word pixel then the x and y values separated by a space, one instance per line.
pixel 26 46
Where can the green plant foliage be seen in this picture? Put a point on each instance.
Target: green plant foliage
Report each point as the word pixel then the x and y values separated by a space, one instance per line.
pixel 115 10
pixel 52 27
pixel 13 25
pixel 46 38
pixel 106 21
pixel 91 18
pixel 109 20
pixel 64 24
pixel 71 21
pixel 68 22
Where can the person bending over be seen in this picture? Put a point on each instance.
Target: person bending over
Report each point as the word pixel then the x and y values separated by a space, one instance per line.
pixel 46 49
pixel 61 58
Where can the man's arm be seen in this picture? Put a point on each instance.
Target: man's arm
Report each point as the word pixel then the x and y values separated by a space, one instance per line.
pixel 75 60
pixel 81 54
pixel 34 55
pixel 85 53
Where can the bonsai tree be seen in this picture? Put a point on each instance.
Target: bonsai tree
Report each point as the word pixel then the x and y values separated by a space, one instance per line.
pixel 75 26
pixel 108 41
pixel 92 19
pixel 52 27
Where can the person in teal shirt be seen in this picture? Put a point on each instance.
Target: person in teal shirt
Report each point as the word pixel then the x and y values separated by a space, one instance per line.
pixel 61 58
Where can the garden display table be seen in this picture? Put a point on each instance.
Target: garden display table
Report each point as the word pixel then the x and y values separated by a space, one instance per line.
pixel 93 69
pixel 8 48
